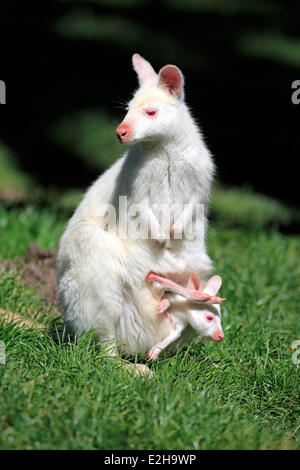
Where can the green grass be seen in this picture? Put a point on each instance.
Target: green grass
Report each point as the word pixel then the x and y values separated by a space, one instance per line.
pixel 74 397
pixel 19 228
pixel 238 207
pixel 11 176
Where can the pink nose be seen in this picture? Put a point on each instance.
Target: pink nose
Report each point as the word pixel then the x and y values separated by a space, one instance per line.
pixel 122 132
pixel 218 335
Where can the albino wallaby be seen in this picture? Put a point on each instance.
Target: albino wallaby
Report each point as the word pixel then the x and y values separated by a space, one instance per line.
pixel 200 314
pixel 102 272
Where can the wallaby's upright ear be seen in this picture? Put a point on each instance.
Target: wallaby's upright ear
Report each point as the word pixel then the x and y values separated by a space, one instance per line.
pixel 213 285
pixel 171 79
pixel 144 70
pixel 194 282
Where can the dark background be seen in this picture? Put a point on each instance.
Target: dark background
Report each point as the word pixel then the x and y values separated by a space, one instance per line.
pixel 67 65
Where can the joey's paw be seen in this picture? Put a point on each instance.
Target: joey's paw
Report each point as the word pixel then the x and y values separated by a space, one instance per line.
pixel 153 353
pixel 163 306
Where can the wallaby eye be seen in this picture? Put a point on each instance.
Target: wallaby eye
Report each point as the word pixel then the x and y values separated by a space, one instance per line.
pixel 209 317
pixel 150 112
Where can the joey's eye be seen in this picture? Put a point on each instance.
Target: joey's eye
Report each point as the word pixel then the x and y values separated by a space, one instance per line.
pixel 209 317
pixel 150 112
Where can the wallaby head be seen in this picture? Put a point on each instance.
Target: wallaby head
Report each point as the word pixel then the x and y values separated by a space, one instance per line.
pixel 206 318
pixel 155 111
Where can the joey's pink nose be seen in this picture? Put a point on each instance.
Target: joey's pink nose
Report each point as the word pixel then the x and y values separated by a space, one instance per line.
pixel 218 335
pixel 123 132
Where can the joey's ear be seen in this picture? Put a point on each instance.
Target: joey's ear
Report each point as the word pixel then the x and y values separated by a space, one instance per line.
pixel 194 282
pixel 213 285
pixel 171 79
pixel 144 70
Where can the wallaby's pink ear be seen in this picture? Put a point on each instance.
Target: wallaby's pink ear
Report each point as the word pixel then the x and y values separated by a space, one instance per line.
pixel 144 70
pixel 171 79
pixel 194 282
pixel 213 285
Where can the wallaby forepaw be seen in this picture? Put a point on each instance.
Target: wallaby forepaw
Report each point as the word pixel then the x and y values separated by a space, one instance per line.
pixel 153 353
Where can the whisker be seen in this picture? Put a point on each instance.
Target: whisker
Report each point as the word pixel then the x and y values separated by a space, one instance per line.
pixel 121 103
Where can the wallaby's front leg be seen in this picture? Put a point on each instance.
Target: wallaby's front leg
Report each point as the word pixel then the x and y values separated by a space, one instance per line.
pixel 173 336
pixel 182 226
pixel 151 226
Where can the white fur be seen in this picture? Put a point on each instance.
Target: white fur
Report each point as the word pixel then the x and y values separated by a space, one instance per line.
pixel 100 275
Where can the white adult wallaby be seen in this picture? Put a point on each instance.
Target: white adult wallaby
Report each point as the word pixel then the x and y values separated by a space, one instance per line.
pixel 101 273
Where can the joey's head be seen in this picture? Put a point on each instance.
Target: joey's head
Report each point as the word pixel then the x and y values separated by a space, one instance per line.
pixel 155 111
pixel 206 318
